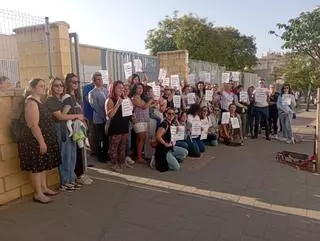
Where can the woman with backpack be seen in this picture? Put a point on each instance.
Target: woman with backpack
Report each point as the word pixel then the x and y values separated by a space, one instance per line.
pixel 38 145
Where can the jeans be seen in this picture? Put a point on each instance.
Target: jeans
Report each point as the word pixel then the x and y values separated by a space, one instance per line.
pixel 172 156
pixel 261 114
pixel 183 144
pixel 273 119
pixel 68 153
pixel 128 147
pixel 193 147
pixel 101 142
pixel 285 120
pixel 212 140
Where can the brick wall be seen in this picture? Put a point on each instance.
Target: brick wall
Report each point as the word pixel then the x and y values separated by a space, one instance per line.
pixel 13 182
pixel 176 62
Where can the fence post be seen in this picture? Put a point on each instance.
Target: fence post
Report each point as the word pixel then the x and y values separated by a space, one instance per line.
pixel 317 139
pixel 47 34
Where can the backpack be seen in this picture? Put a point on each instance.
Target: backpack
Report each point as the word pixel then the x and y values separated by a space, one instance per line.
pixel 18 123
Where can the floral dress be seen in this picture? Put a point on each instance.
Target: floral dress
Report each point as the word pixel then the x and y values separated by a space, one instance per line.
pixel 29 148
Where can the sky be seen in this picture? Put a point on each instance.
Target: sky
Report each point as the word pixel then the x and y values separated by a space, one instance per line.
pixel 123 24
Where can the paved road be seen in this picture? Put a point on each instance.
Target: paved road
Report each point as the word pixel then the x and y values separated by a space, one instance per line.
pixel 230 193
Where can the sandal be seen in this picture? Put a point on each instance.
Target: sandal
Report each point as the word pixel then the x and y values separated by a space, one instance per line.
pixel 37 200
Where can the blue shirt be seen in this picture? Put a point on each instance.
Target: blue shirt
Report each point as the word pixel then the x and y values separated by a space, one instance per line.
pixel 97 98
pixel 87 109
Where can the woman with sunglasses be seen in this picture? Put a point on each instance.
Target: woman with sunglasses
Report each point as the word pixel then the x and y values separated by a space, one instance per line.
pixel 167 154
pixel 286 104
pixel 72 104
pixel 68 147
pixel 211 139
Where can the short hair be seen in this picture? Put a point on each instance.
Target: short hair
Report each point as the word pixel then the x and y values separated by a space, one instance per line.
pixel 95 75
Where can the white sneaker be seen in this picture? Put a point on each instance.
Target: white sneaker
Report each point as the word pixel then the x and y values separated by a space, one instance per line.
pixel 153 163
pixel 288 141
pixel 85 180
pixel 129 160
pixel 282 139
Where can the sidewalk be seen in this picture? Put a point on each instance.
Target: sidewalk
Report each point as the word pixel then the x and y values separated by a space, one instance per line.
pixel 230 193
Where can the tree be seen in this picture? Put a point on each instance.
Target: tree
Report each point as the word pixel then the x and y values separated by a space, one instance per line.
pixel 224 46
pixel 302 34
pixel 302 73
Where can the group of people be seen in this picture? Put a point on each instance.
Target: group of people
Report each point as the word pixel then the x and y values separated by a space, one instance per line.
pixel 128 122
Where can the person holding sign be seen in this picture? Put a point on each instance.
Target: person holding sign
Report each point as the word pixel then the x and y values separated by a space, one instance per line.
pixel 241 100
pixel 166 150
pixel 231 133
pixel 200 93
pixel 273 111
pixel 212 138
pixel 184 97
pixel 119 127
pixel 141 120
pixel 261 110
pixel 193 121
pixel 286 104
pixel 227 97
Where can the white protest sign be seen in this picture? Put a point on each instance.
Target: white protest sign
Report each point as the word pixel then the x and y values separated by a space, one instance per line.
pixel 286 99
pixel 236 76
pixel 225 77
pixel 235 123
pixel 157 92
pixel 105 76
pixel 191 98
pixel 137 65
pixel 225 118
pixel 152 84
pixel 166 82
pixel 196 128
pixel 243 96
pixel 209 95
pixel 162 74
pixel 260 95
pixel 175 82
pixel 192 79
pixel 204 132
pixel 127 107
pixel 177 101
pixel 177 133
pixel 127 69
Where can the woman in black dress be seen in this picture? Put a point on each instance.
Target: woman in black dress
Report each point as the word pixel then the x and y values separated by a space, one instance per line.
pixel 38 147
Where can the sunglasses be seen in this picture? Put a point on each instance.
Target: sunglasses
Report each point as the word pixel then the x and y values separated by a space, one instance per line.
pixel 170 113
pixel 286 88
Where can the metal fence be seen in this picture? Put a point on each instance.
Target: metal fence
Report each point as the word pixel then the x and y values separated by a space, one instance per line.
pixel 116 59
pixel 250 79
pixel 198 66
pixel 10 20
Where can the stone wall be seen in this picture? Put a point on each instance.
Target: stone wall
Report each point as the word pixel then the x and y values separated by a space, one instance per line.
pixel 14 183
pixel 176 62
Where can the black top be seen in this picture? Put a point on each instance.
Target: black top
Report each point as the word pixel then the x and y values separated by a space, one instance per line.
pixel 54 104
pixel 169 103
pixel 274 98
pixel 162 150
pixel 119 125
pixel 75 103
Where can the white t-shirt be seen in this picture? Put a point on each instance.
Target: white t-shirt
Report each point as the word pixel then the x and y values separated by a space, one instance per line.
pixel 261 97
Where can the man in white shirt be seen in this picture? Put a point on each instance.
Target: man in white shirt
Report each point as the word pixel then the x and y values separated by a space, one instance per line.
pixel 261 110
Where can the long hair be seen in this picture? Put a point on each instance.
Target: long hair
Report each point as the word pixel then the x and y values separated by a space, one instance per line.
pixel 52 81
pixel 31 86
pixel 282 89
pixel 112 90
pixel 198 90
pixel 68 80
pixel 181 113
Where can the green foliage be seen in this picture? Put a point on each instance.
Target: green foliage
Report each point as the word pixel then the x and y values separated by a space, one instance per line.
pixel 224 46
pixel 302 34
pixel 302 72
